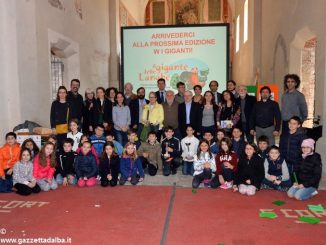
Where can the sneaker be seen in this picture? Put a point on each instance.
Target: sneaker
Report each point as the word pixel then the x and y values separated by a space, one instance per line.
pixel 229 184
pixel 224 186
pixel 206 182
pixel 314 193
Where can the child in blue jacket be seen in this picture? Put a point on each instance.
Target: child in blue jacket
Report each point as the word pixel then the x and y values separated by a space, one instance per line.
pixel 98 140
pixel 85 166
pixel 131 166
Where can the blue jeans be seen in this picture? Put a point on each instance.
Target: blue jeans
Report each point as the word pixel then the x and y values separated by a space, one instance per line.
pixel 59 179
pixel 188 168
pixel 301 194
pixel 121 137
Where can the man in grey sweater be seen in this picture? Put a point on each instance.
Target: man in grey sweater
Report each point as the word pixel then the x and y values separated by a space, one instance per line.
pixel 170 107
pixel 293 101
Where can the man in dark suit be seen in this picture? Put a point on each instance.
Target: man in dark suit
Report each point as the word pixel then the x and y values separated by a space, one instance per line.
pixel 213 86
pixel 188 115
pixel 161 93
pixel 246 103
pixel 136 110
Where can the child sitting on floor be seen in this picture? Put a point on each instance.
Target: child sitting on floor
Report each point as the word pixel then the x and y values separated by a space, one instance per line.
pixel 250 171
pixel 204 165
pixel 85 166
pixel 23 179
pixel 150 154
pixel 226 166
pixel 9 155
pixel 276 171
pixel 44 167
pixel 65 173
pixel 131 166
pixel 307 172
pixel 109 166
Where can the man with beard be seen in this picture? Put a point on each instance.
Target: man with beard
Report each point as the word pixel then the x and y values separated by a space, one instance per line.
pixel 170 107
pixel 75 100
pixel 136 109
pixel 265 117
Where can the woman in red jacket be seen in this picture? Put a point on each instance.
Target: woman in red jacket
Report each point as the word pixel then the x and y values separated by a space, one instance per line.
pixel 44 168
pixel 226 166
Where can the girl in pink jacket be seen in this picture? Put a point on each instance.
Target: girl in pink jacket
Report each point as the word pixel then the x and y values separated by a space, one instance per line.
pixel 44 168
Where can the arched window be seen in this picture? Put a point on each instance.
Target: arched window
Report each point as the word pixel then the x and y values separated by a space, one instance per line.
pixel 57 69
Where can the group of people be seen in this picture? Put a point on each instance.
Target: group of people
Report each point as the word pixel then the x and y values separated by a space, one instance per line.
pixel 116 137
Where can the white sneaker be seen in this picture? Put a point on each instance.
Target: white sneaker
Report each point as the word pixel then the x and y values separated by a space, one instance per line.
pixel 314 193
pixel 229 184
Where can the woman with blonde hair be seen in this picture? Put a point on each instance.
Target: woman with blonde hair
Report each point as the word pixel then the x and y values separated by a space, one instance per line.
pixel 153 115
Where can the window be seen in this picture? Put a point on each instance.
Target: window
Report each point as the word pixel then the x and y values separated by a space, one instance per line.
pixel 56 74
pixel 214 10
pixel 158 12
pixel 308 78
pixel 245 22
pixel 237 40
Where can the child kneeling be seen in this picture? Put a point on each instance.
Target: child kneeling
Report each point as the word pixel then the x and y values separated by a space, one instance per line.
pixel 307 172
pixel 131 166
pixel 204 165
pixel 85 166
pixel 276 171
pixel 65 173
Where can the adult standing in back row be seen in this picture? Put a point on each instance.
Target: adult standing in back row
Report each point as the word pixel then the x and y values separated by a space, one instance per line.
pixel 293 101
pixel 265 117
pixel 246 103
pixel 75 100
pixel 161 93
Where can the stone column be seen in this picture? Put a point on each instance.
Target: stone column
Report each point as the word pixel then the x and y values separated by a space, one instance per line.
pixel 114 59
pixel 10 112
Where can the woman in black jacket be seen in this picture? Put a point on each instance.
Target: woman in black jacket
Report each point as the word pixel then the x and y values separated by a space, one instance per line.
pixel 60 115
pixel 229 112
pixel 102 110
pixel 250 171
pixel 109 166
pixel 307 172
pixel 88 111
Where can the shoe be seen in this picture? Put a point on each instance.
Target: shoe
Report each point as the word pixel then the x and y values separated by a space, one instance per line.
pixel 224 186
pixel 264 186
pixel 229 184
pixel 314 193
pixel 206 182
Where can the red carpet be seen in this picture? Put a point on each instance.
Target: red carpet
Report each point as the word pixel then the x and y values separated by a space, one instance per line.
pixel 137 215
